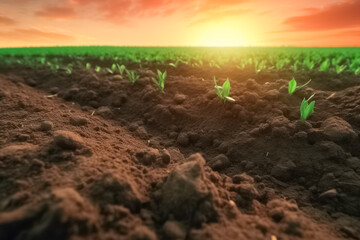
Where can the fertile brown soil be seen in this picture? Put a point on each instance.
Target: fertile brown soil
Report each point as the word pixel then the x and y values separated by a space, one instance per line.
pixel 90 156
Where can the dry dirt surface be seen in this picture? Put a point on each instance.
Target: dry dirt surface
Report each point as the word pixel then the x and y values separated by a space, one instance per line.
pixel 87 156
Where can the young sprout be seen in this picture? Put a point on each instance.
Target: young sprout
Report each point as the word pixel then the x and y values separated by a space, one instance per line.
pixel 121 69
pixel 112 69
pixel 68 70
pixel 160 80
pixel 293 85
pixel 309 64
pixel 325 65
pixel 223 91
pixel 307 109
pixel 132 76
pixel 294 67
pixel 88 65
pixel 97 69
pixel 340 68
pixel 174 64
pixel 357 71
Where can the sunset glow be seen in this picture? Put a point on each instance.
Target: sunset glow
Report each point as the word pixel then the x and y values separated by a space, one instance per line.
pixel 180 23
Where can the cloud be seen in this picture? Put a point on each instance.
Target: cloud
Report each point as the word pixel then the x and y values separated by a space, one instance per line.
pixel 7 21
pixel 56 12
pixel 120 11
pixel 211 16
pixel 34 35
pixel 345 14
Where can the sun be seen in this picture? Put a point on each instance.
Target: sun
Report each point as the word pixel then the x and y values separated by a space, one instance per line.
pixel 221 35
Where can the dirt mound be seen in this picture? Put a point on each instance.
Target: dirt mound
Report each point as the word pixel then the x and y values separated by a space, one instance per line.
pixel 89 156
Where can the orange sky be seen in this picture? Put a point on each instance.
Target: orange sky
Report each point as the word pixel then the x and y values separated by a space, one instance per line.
pixel 180 22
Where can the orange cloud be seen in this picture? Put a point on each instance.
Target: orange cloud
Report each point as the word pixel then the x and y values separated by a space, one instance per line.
pixel 119 11
pixel 34 35
pixel 7 21
pixel 336 16
pixel 56 12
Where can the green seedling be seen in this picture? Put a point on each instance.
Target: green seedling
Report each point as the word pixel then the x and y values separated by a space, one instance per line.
pixel 260 66
pixel 97 69
pixel 357 71
pixel 88 65
pixel 121 68
pixel 340 68
pixel 223 91
pixel 293 85
pixel 68 70
pixel 160 80
pixel 112 69
pixel 174 64
pixel 132 76
pixel 307 109
pixel 309 64
pixel 325 65
pixel 294 67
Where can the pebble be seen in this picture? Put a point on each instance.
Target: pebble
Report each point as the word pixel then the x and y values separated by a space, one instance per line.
pixel 179 98
pixel 78 121
pixel 219 162
pixel 46 126
pixel 183 139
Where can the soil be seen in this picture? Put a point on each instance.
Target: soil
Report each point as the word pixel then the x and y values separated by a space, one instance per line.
pixel 91 156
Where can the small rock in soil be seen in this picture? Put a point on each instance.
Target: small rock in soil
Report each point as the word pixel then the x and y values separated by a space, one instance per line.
pixel 104 112
pixel 78 121
pixel 46 126
pixel 337 129
pixel 183 139
pixel 148 156
pixel 165 156
pixel 219 162
pixel 179 98
pixel 67 140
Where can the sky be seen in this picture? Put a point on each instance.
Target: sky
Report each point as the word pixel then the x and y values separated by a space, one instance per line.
pixel 180 22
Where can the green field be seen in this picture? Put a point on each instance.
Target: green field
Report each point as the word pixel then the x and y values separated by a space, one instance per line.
pixel 336 60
